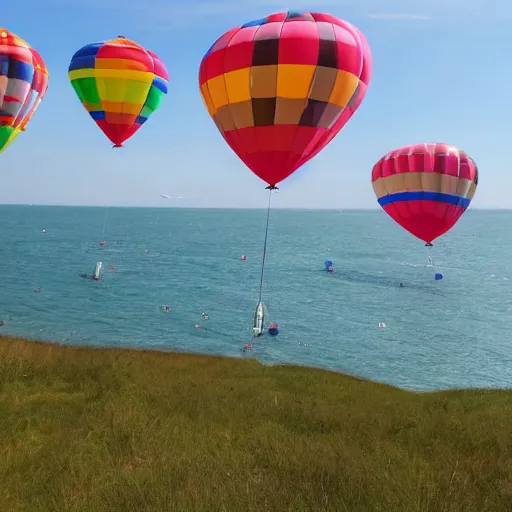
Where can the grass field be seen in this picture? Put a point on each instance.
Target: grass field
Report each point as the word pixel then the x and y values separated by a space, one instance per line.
pixel 98 430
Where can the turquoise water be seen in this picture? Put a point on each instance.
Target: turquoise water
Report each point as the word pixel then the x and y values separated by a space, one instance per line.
pixel 438 334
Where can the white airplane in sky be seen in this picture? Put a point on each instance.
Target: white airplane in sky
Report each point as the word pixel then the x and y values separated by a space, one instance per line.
pixel 165 196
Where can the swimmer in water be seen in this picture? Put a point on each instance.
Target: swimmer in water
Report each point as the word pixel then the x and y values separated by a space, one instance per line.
pixel 166 309
pixel 401 285
pixel 205 316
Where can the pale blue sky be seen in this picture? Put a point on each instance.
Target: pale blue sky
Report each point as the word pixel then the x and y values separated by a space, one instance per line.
pixel 441 73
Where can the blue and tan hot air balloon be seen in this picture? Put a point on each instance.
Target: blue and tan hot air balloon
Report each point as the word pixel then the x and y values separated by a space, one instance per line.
pixel 425 188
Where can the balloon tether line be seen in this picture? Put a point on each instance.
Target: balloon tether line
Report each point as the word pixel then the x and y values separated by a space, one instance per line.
pixel 105 223
pixel 269 188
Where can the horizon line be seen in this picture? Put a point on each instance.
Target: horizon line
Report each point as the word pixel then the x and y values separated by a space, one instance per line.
pixel 48 205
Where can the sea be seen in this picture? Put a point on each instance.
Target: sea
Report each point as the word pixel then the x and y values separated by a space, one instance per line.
pixel 427 335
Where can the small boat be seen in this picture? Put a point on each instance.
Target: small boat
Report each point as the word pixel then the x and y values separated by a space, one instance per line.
pixel 97 271
pixel 259 319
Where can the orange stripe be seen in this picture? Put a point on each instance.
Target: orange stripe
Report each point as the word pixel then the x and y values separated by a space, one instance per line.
pixel 120 64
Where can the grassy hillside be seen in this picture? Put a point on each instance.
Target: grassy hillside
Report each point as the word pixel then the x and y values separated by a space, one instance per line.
pixel 95 430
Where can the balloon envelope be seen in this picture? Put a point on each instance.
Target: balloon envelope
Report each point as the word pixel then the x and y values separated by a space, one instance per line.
pixel 120 84
pixel 425 187
pixel 23 84
pixel 280 88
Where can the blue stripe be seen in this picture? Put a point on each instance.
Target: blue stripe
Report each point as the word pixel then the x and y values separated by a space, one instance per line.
pixel 98 115
pixel 82 62
pixel 21 71
pixel 4 65
pixel 294 14
pixel 89 49
pixel 141 120
pixel 160 83
pixel 255 23
pixel 425 196
pixel 85 57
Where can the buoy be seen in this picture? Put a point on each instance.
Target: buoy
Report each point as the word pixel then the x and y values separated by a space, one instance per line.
pixel 438 277
pixel 273 329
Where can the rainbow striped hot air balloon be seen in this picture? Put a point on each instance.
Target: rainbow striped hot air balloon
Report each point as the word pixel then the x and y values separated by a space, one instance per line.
pixel 23 84
pixel 120 84
pixel 425 188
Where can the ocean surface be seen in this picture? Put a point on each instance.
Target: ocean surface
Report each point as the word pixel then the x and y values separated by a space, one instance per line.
pixel 438 334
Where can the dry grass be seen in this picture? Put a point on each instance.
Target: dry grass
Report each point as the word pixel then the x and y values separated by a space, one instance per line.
pixel 97 430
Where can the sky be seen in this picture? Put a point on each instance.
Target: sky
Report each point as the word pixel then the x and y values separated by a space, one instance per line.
pixel 441 73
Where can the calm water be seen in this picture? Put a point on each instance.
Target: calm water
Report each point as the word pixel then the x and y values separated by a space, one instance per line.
pixel 438 334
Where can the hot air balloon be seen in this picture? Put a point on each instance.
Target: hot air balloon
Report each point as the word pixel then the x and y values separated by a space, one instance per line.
pixel 120 84
pixel 23 84
pixel 280 88
pixel 425 188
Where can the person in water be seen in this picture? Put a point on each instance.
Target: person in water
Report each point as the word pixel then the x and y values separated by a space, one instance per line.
pixel 401 285
pixel 205 316
pixel 166 308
